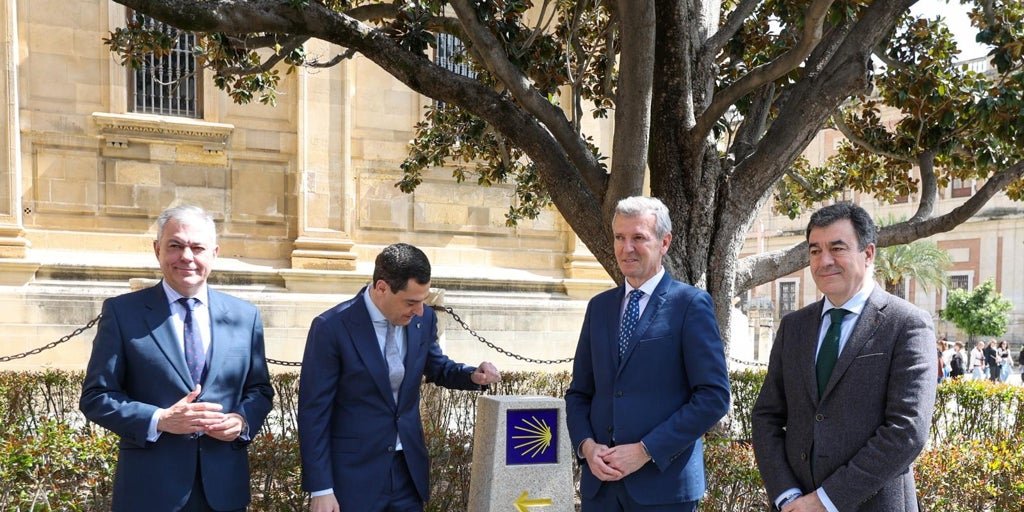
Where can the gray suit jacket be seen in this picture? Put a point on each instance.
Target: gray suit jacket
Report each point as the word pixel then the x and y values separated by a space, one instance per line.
pixel 858 440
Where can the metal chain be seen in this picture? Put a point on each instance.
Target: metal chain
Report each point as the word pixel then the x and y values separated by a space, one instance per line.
pixel 448 309
pixel 52 344
pixel 748 363
pixel 283 363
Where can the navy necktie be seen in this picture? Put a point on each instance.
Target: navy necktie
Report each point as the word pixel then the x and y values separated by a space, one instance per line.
pixel 396 367
pixel 829 351
pixel 629 320
pixel 195 354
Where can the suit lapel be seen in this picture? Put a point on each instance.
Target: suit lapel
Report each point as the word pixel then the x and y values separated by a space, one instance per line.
pixel 654 306
pixel 613 321
pixel 364 339
pixel 870 318
pixel 416 341
pixel 221 318
pixel 807 336
pixel 158 319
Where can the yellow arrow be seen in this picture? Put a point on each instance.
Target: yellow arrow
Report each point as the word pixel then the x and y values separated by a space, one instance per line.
pixel 523 503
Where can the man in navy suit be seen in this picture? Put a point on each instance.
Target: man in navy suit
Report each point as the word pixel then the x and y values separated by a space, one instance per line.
pixel 184 421
pixel 360 435
pixel 649 377
pixel 847 403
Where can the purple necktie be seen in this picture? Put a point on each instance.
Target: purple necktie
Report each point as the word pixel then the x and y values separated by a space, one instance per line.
pixel 195 354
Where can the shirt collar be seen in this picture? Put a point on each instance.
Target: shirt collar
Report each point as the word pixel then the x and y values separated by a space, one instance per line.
pixel 649 285
pixel 375 315
pixel 172 295
pixel 856 303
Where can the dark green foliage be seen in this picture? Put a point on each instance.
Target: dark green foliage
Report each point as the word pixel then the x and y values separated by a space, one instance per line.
pixel 51 459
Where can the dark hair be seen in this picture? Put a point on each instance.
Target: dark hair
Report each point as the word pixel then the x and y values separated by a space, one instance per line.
pixel 398 263
pixel 863 226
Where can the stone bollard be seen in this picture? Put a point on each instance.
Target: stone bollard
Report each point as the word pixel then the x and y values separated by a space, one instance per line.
pixel 522 458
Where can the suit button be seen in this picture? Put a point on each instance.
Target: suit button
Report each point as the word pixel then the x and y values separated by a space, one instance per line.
pixel 391 448
pixel 610 429
pixel 803 456
pixel 618 394
pixel 819 417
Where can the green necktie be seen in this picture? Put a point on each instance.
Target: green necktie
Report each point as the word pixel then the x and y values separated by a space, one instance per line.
pixel 829 351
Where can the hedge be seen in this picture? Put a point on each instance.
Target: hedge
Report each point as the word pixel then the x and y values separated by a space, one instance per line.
pixel 52 459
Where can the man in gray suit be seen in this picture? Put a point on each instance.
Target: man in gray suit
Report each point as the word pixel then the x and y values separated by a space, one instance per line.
pixel 844 411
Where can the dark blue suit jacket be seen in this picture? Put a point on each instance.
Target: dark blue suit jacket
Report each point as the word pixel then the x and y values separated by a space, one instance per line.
pixel 137 366
pixel 668 389
pixel 348 419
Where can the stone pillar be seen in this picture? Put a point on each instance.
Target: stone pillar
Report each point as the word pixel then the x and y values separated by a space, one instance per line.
pixel 326 189
pixel 522 458
pixel 13 244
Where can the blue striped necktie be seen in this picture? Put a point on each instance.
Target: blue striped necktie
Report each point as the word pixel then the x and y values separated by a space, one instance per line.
pixel 629 320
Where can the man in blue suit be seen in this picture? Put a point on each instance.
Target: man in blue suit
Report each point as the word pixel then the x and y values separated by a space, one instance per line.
pixel 649 378
pixel 178 373
pixel 360 435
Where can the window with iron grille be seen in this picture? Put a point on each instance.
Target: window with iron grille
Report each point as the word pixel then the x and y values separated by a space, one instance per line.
pixel 449 48
pixel 961 188
pixel 170 85
pixel 787 298
pixel 957 281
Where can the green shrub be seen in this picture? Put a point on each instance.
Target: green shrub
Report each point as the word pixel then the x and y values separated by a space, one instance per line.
pixel 52 459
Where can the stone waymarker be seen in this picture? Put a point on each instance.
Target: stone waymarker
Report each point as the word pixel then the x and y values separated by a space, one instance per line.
pixel 522 458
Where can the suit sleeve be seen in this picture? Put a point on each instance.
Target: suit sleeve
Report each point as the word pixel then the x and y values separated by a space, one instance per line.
pixel 768 419
pixel 318 383
pixel 441 370
pixel 581 390
pixel 257 392
pixel 104 400
pixel 910 401
pixel 707 377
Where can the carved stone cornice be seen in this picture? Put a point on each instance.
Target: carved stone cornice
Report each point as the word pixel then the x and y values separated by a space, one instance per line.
pixel 119 130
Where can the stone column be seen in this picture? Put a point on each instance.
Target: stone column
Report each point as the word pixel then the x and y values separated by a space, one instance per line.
pixel 13 244
pixel 326 188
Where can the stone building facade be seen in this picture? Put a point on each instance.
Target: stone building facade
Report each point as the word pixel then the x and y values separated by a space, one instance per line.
pixel 303 194
pixel 304 197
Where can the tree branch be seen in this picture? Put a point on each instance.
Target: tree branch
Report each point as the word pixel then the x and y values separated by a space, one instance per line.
pixel 929 185
pixel 847 131
pixel 633 102
pixel 762 268
pixel 714 44
pixel 814 20
pixel 490 51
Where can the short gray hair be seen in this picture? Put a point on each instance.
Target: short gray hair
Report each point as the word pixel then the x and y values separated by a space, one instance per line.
pixel 641 205
pixel 184 212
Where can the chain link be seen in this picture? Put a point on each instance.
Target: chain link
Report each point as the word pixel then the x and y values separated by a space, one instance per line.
pixel 295 364
pixel 283 363
pixel 748 363
pixel 52 344
pixel 455 316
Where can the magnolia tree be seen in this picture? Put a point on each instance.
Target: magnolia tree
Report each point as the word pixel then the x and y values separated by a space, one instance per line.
pixel 715 99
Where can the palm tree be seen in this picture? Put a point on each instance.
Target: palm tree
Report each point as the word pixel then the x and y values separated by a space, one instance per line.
pixel 923 261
